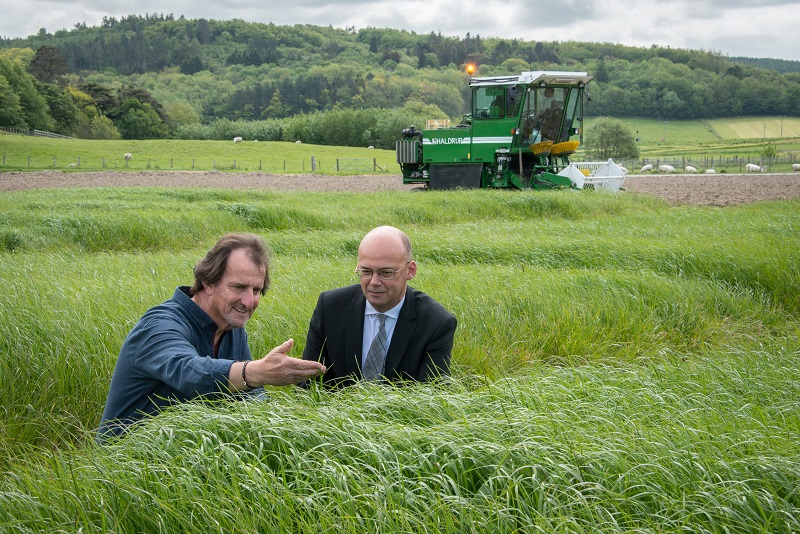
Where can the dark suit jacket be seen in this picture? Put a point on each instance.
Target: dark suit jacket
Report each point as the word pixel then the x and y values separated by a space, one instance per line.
pixel 420 346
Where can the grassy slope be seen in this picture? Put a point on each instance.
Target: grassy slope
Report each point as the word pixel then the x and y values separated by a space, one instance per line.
pixel 732 129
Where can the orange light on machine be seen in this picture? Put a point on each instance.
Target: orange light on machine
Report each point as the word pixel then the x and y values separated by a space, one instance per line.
pixel 470 69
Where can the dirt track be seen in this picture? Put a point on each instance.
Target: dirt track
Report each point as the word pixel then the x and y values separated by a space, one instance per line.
pixel 693 189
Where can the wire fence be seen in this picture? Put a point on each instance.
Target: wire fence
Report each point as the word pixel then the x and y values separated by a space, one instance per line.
pixel 313 165
pixel 345 166
pixel 357 165
pixel 37 133
pixel 735 164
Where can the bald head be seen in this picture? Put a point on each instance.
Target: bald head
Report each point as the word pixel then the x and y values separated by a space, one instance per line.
pixel 387 237
pixel 385 250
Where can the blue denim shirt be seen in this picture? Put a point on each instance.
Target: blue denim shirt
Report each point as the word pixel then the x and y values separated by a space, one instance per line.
pixel 167 358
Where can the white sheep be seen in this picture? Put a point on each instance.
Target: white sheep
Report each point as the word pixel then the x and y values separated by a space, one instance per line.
pixel 298 141
pixel 370 147
pixel 72 165
pixel 128 156
pixel 690 169
pixel 710 171
pixel 666 168
pixel 646 168
pixel 237 139
pixel 623 169
pixel 796 166
pixel 752 167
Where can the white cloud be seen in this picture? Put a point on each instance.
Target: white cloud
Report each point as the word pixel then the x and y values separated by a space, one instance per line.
pixel 755 28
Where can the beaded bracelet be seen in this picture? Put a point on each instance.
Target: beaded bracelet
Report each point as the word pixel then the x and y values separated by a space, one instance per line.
pixel 244 380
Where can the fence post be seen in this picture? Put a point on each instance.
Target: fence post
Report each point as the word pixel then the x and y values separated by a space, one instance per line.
pixel 54 162
pixel 313 164
pixel 104 162
pixel 170 163
pixel 374 165
pixel 29 161
pixel 192 163
pixel 79 162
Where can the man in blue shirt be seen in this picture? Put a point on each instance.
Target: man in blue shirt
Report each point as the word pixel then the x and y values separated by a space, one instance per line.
pixel 195 345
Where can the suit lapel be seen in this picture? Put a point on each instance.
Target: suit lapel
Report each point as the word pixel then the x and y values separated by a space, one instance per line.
pixel 354 315
pixel 403 332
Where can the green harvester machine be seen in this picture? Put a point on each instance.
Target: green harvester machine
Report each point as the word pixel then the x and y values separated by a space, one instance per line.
pixel 520 134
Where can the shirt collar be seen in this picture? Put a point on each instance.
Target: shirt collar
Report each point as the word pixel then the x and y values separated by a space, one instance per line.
pixel 394 313
pixel 183 297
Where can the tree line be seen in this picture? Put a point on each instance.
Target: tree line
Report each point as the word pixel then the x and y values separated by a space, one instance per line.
pixel 158 76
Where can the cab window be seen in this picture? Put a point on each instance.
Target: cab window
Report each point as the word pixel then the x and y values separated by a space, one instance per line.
pixel 489 103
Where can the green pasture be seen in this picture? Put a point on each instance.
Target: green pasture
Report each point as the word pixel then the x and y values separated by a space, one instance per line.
pixel 19 152
pixel 656 134
pixel 620 365
pixel 734 130
pixel 725 143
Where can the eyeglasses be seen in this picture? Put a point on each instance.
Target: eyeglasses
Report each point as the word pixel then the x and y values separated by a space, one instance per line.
pixel 383 274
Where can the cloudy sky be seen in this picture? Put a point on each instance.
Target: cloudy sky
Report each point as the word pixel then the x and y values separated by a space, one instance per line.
pixel 753 28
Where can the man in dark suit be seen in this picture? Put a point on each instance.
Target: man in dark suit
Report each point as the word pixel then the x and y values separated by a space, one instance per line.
pixel 382 329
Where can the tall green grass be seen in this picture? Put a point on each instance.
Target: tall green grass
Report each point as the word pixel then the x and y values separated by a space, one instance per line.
pixel 620 365
pixel 707 445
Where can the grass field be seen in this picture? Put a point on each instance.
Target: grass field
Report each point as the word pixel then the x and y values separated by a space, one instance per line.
pixel 755 127
pixel 721 140
pixel 619 366
pixel 35 153
pixel 780 130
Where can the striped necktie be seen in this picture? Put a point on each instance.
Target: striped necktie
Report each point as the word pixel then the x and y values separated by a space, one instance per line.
pixel 376 355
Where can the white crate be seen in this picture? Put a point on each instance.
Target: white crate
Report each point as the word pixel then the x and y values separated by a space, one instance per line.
pixel 605 175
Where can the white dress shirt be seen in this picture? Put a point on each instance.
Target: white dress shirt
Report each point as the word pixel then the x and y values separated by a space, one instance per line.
pixel 371 326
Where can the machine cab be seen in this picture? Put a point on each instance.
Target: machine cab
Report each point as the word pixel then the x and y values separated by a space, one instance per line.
pixel 534 107
pixel 542 117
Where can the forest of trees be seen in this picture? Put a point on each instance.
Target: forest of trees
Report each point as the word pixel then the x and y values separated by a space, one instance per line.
pixel 156 76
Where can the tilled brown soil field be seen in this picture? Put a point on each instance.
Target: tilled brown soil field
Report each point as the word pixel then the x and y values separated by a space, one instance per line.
pixel 677 189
